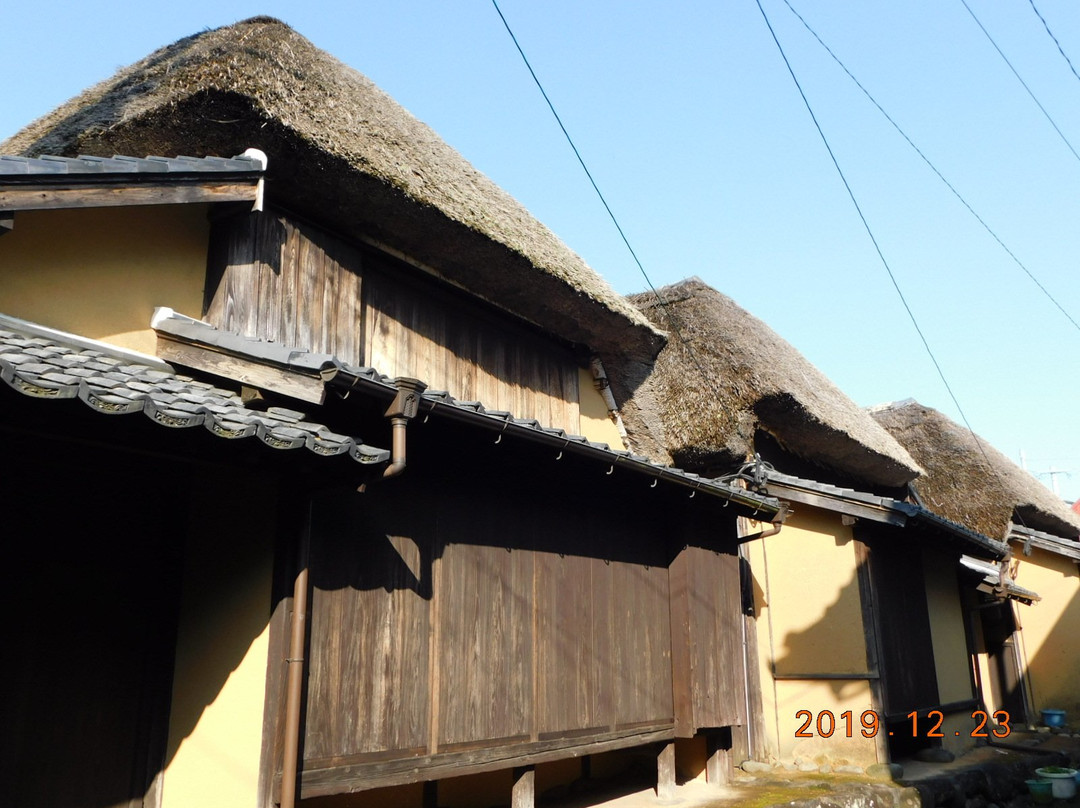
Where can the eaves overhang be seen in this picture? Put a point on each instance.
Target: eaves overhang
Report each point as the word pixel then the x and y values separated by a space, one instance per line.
pixel 310 376
pixel 53 183
pixel 994 583
pixel 1027 538
pixel 885 510
pixel 44 364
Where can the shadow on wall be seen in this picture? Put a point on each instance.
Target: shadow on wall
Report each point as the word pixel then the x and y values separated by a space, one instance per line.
pixel 816 623
pixel 1051 636
pixel 99 544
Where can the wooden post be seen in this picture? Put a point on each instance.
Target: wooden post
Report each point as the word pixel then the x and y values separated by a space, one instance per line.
pixel 524 793
pixel 665 772
pixel 719 768
pixel 431 794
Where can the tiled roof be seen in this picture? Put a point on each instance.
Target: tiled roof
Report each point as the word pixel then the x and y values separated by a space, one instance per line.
pixel 1028 537
pixel 44 366
pixel 336 373
pixel 48 165
pixel 905 511
pixel 992 580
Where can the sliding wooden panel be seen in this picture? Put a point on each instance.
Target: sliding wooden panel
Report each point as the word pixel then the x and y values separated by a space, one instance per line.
pixel 484 645
pixel 368 685
pixel 573 644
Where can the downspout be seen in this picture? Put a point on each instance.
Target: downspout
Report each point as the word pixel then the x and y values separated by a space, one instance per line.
pixel 402 409
pixel 294 683
pixel 603 386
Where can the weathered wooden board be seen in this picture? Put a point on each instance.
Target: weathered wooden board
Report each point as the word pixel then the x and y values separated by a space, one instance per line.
pixel 453 344
pixel 273 278
pixel 485 645
pixel 903 623
pixel 370 619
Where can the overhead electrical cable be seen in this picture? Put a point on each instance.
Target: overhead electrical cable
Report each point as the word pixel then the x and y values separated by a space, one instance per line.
pixel 933 168
pixel 1046 25
pixel 672 319
pixel 1038 103
pixel 870 233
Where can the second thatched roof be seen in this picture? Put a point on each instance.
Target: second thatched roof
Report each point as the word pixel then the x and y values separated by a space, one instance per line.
pixel 706 399
pixel 346 155
pixel 970 481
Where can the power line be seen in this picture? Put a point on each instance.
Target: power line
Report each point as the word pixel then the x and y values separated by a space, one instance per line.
pixel 870 233
pixel 1051 33
pixel 933 168
pixel 1023 83
pixel 672 319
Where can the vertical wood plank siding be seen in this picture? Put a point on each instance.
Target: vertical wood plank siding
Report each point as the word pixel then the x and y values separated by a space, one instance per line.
pixel 467 620
pixel 280 280
pixel 453 345
pixel 272 278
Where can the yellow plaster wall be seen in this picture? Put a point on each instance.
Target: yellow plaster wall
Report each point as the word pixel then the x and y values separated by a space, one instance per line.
pixel 809 621
pixel 595 423
pixel 947 635
pixel 988 690
pixel 215 725
pixel 1051 631
pixel 813 592
pixel 837 696
pixel 99 272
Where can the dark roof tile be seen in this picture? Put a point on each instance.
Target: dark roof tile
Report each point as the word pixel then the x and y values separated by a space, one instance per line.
pixel 48 368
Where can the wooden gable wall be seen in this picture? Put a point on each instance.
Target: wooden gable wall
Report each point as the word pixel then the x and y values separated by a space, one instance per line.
pixel 278 279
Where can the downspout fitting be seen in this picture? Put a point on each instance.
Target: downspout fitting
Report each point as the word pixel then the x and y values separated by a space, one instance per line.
pixel 402 409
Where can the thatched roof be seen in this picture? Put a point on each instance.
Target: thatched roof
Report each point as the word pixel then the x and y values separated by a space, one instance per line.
pixel 981 489
pixel 345 154
pixel 739 376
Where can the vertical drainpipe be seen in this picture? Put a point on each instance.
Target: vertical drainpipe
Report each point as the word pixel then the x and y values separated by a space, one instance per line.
pixel 294 682
pixel 405 406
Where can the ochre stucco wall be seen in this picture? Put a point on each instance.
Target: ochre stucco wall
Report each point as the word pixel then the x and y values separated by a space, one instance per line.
pixel 595 423
pixel 1051 631
pixel 219 686
pixel 809 621
pixel 947 633
pixel 100 272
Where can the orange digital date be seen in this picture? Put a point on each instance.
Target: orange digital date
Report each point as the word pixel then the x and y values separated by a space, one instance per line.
pixel 826 724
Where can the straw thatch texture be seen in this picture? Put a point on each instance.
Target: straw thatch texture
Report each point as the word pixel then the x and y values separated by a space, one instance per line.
pixel 739 376
pixel 981 489
pixel 345 154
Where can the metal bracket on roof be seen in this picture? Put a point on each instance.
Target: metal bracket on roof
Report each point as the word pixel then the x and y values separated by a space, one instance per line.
pixel 505 422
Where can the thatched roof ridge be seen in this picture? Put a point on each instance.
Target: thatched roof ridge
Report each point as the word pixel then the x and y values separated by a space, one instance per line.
pixel 977 487
pixel 331 134
pixel 750 378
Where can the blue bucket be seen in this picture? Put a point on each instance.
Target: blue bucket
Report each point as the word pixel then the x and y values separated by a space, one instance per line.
pixel 1053 718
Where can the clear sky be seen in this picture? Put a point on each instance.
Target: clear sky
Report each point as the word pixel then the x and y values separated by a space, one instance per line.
pixel 695 132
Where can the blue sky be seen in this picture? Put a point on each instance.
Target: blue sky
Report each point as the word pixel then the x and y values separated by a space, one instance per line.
pixel 693 128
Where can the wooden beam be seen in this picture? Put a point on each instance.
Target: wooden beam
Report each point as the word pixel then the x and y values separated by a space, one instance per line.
pixel 665 772
pixel 286 382
pixel 523 794
pixel 837 505
pixel 322 778
pixel 50 196
pixel 719 766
